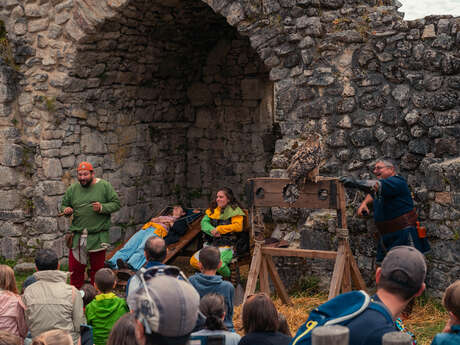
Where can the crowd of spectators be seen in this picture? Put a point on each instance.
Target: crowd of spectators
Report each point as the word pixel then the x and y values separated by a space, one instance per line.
pixel 167 308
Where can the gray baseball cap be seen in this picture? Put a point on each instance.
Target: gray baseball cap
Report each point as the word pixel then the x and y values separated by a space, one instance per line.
pixel 408 260
pixel 166 306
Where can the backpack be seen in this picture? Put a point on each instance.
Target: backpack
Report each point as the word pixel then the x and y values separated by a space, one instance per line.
pixel 337 311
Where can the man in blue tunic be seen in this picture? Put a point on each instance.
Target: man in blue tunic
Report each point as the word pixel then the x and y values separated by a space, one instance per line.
pixel 394 212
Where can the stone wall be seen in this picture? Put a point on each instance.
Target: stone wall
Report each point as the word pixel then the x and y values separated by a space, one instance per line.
pixel 169 101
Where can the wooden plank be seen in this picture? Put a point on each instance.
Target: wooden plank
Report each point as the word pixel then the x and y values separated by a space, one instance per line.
pixel 253 272
pixel 193 231
pixel 346 280
pixel 272 194
pixel 339 268
pixel 356 276
pixel 303 253
pixel 263 276
pixel 279 286
pixel 342 210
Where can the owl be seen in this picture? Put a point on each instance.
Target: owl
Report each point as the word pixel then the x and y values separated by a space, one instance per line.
pixel 307 160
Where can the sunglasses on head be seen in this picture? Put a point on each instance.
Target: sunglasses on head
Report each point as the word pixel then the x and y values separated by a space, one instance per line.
pixel 170 271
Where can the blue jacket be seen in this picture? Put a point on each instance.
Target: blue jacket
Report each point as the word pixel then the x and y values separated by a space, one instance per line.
pixel 205 284
pixel 452 338
pixel 394 200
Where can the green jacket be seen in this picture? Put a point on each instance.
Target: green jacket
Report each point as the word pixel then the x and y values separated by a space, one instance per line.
pixel 79 199
pixel 102 313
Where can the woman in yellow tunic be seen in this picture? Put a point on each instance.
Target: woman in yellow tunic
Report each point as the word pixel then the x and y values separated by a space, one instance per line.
pixel 223 225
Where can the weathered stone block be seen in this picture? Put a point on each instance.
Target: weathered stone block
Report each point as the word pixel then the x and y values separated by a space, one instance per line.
pixel 52 168
pixel 10 199
pixel 38 25
pixel 11 155
pixel 8 176
pixel 9 247
pixel 93 143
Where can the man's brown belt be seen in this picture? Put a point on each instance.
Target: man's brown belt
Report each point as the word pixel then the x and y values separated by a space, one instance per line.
pixel 406 220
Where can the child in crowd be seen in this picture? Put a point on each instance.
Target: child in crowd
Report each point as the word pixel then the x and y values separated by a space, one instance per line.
pixel 12 316
pixel 261 322
pixel 283 326
pixel 451 301
pixel 127 331
pixel 53 337
pixel 208 282
pixel 106 308
pixel 213 307
pixel 88 293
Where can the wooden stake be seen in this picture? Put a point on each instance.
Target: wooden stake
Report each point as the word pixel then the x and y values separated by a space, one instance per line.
pixel 279 286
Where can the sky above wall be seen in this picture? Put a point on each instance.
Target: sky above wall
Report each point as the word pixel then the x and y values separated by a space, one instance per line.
pixel 415 9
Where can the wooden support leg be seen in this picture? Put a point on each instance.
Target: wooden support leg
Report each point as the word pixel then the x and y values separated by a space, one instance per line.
pixel 339 269
pixel 279 286
pixel 346 280
pixel 263 276
pixel 253 271
pixel 356 276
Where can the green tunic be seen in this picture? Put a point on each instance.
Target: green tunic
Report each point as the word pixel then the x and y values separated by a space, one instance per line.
pixel 79 199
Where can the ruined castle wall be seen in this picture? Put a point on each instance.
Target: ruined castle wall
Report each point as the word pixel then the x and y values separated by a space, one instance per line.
pixel 134 84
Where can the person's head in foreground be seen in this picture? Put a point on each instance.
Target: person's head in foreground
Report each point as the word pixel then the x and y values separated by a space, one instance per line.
pixel 212 306
pixel 260 314
pixel 7 279
pixel 155 249
pixel 451 301
pixel 166 307
pixel 127 331
pixel 105 280
pixel 46 259
pixel 402 274
pixel 53 337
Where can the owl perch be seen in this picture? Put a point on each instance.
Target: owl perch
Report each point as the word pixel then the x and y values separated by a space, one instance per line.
pixel 304 166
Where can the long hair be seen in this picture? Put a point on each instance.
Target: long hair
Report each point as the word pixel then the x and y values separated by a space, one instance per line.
pixel 260 314
pixel 230 196
pixel 124 331
pixel 212 306
pixel 53 337
pixel 7 280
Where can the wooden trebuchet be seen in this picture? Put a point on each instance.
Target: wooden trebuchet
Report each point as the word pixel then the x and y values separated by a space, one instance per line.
pixel 330 335
pixel 396 338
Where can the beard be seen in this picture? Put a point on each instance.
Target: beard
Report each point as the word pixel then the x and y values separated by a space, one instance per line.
pixel 86 183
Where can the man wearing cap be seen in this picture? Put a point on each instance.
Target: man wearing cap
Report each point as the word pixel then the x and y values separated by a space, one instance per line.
pixel 400 279
pixel 91 201
pixel 394 212
pixel 167 308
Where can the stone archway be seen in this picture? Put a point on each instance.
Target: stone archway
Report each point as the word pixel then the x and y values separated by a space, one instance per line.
pixel 169 101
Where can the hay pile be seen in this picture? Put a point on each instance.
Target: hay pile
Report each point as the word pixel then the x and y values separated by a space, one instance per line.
pixel 427 318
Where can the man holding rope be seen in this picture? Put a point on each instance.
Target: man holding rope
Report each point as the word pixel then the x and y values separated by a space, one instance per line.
pixel 91 201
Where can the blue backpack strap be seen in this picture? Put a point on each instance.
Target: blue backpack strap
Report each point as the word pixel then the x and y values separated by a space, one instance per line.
pixel 380 307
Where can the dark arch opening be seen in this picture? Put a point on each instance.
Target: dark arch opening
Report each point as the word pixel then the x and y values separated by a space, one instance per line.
pixel 170 102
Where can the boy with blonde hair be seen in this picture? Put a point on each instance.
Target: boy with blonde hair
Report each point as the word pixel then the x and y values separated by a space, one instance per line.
pixel 451 332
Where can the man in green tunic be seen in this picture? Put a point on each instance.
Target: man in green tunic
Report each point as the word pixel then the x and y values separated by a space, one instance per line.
pixel 91 201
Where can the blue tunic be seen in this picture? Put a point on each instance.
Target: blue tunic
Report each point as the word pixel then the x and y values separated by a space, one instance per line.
pixel 452 338
pixel 393 201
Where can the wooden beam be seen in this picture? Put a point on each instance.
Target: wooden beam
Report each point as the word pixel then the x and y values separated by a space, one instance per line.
pixel 253 272
pixel 342 206
pixel 356 276
pixel 346 279
pixel 339 269
pixel 269 192
pixel 279 286
pixel 303 253
pixel 263 276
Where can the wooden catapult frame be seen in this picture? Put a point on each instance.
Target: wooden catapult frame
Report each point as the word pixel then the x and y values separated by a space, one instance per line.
pixel 327 193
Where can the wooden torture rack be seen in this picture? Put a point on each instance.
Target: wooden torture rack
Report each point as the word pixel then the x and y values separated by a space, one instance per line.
pixel 327 193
